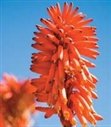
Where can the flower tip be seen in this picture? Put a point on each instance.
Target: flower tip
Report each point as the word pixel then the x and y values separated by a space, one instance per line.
pixel 93 65
pixel 32 82
pixel 41 19
pixel 101 118
pixel 37 98
pixel 33 54
pixel 30 69
pixel 35 33
pixel 65 3
pixel 71 3
pixel 72 27
pixel 48 35
pixel 98 53
pixel 33 40
pixel 77 8
pixel 47 9
pixel 96 46
pixel 32 60
pixel 91 19
pixel 37 26
pixel 51 7
pixel 45 116
pixel 36 108
pixel 57 4
pixel 98 117
pixel 97 39
pixel 33 92
pixel 61 31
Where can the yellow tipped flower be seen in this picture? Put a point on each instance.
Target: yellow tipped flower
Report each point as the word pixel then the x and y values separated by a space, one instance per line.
pixel 65 82
pixel 16 102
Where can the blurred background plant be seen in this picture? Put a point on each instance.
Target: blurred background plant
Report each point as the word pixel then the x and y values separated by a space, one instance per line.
pixel 16 102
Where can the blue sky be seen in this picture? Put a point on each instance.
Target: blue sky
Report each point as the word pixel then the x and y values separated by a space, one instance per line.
pixel 18 20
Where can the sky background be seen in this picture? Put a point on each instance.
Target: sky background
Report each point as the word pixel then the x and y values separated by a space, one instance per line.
pixel 17 24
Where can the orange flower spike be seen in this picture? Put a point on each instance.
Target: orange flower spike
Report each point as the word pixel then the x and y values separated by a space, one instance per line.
pixel 66 83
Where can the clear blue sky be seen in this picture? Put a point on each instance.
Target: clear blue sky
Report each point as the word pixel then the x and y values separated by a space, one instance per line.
pixel 18 19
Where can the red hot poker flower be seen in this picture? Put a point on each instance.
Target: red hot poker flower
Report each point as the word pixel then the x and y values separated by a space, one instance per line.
pixel 65 82
pixel 16 102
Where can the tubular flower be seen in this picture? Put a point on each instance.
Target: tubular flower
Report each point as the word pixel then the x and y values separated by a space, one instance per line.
pixel 16 102
pixel 65 82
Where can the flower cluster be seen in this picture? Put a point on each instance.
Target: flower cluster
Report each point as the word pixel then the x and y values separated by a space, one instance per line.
pixel 65 82
pixel 16 102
